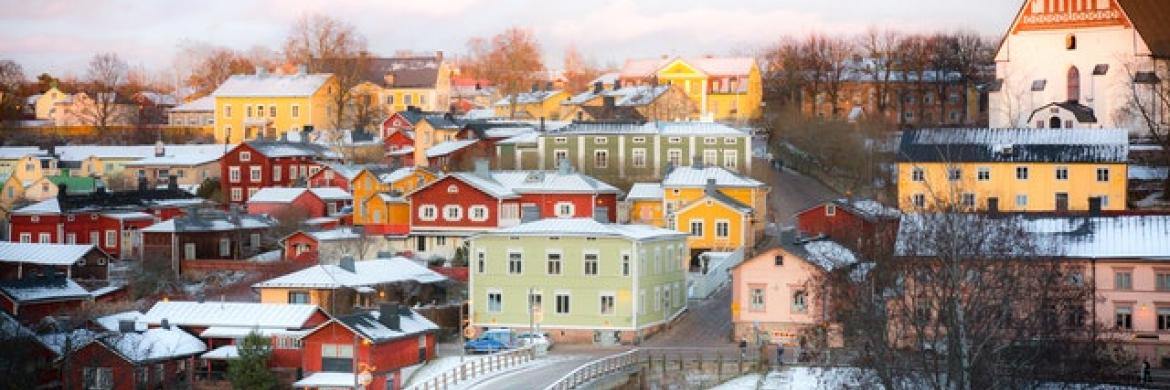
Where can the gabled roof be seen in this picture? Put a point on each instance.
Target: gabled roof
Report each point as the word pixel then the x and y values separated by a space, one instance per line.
pixel 203 104
pixel 43 254
pixel 154 345
pixel 525 182
pixel 272 85
pixel 448 147
pixel 15 152
pixel 331 193
pixel 213 223
pixel 236 314
pixel 31 290
pixel 444 121
pixel 487 185
pixel 276 149
pixel 277 195
pixel 366 273
pixel 397 175
pixel 690 176
pixel 868 209
pixel 527 98
pixel 407 71
pixel 714 66
pixel 819 251
pixel 1015 145
pixel 134 152
pixel 367 325
pixel 645 191
pixel 585 227
pixel 715 195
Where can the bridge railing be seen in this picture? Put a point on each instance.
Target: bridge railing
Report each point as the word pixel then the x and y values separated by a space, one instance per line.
pixel 716 361
pixel 474 368
pixel 597 369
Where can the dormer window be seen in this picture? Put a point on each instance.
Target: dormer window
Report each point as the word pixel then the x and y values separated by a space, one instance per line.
pixel 830 210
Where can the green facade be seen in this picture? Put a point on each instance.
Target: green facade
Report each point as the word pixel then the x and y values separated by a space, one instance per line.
pixel 656 270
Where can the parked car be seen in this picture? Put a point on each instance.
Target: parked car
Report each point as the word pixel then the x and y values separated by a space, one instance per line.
pixel 484 345
pixel 538 339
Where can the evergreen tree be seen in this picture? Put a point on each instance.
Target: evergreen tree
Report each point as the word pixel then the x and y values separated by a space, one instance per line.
pixel 250 370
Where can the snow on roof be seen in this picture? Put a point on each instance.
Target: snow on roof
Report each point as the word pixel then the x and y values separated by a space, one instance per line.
pixel 182 158
pixel 327 380
pixel 128 215
pixel 134 152
pixel 161 99
pixel 1079 237
pixel 203 104
pixel 43 254
pixel 110 322
pixel 223 352
pixel 47 206
pixel 331 193
pixel 490 186
pixel 15 152
pixel 33 290
pixel 607 79
pixel 1147 173
pixel 829 255
pixel 869 208
pixel 233 314
pixel 396 175
pixel 368 325
pixel 342 233
pixel 155 344
pixel 271 85
pixel 367 273
pixel 585 227
pixel 526 138
pixel 642 191
pixel 715 66
pixel 507 132
pixel 236 332
pixel 697 129
pixel 687 176
pixel 276 195
pixel 524 182
pixel 448 147
pixel 527 98
pixel 75 339
pixel 1014 145
pixel 276 149
pixel 186 224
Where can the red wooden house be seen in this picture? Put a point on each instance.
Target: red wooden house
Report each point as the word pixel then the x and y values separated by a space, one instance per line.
pixel 22 260
pixel 404 120
pixel 857 224
pixel 32 299
pixel 380 343
pixel 203 240
pixel 399 146
pixel 253 165
pixel 152 359
pixel 304 202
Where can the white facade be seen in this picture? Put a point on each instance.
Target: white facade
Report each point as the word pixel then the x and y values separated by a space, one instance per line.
pixel 1082 59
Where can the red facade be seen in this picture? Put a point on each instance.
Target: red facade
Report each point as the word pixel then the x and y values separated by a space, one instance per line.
pixel 126 375
pixel 395 142
pixel 117 236
pixel 300 247
pixel 395 123
pixel 307 203
pixel 328 178
pixel 32 312
pixel 583 204
pixel 386 357
pixel 238 165
pixel 846 226
pixel 450 192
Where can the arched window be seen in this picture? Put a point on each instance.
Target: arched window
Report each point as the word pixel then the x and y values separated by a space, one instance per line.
pixel 1074 84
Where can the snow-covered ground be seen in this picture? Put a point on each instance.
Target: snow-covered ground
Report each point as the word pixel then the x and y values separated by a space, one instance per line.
pixel 420 373
pixel 1154 201
pixel 799 378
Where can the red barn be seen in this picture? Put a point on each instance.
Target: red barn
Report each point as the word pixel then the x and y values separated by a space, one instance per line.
pixel 857 224
pixel 378 342
pixel 154 358
pixel 253 165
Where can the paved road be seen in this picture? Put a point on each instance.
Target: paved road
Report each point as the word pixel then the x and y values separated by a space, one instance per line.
pixel 791 191
pixel 707 324
pixel 543 372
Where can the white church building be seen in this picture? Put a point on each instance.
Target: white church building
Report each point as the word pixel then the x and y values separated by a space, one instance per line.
pixel 1080 64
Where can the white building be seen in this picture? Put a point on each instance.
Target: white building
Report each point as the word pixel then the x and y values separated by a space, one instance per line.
pixel 1078 63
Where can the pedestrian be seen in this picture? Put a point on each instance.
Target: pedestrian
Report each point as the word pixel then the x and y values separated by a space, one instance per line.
pixel 743 348
pixel 779 354
pixel 1146 377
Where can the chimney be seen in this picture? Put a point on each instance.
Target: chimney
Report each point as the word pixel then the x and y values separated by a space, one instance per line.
pixel 482 169
pixel 165 324
pixel 302 70
pixel 477 86
pixel 173 183
pixel 597 86
pixel 449 116
pixel 388 315
pixel 347 264
pixel 125 326
pixel 261 71
pixel 563 167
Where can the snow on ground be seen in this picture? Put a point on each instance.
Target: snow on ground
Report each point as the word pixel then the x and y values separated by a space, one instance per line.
pixel 800 378
pixel 744 382
pixel 420 373
pixel 214 279
pixel 1154 201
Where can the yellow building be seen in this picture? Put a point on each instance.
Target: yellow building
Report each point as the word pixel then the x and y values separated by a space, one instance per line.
pixel 719 209
pixel 269 105
pixel 340 288
pixel 531 105
pixel 724 88
pixel 432 130
pixel 46 103
pixel 1014 170
pixel 372 193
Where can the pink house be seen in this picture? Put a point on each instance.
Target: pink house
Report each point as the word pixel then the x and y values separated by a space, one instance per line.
pixel 774 295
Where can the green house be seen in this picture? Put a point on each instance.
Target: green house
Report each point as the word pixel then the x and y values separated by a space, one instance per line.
pixel 590 282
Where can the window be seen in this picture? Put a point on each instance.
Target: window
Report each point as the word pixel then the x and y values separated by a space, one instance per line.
pixel 234 174
pixel 607 304
pixel 1163 318
pixel 260 111
pixel 1162 281
pixel 71 238
pixel 536 302
pixel 389 99
pixel 625 264
pixel 641 301
pixel 554 263
pixel 722 229
pixel 227 111
pixel 710 157
pixel 918 175
pixel 562 303
pixel 968 200
pixel 495 301
pixel 591 264
pixel 427 212
pixel 276 172
pixel 247 111
pixel 918 200
pixel 639 140
pixel 510 211
pixel 98 378
pixel 799 301
pixel 515 263
pixel 638 158
pixel 111 238
pixel 674 140
pixel 189 250
pixel 954 174
pixel 696 228
pixel 296 111
pixel 830 210
pixel 1123 280
pixel 601 159
pixel 600 140
pixel 1021 200
pixel 730 140
pixel 26 238
pixel 478 213
pixel 983 174
pixel 254 173
pixel 452 189
pixel 93 238
pixel 225 247
pixel 440 240
pixel 245 156
pixel 480 261
pixel 1021 172
pixel 1061 173
pixel 298 297
pixel 1102 174
pixel 452 212
pixel 1123 316
pixel 252 192
pixel 407 99
pixel 254 240
pixel 709 140
pixel 657 298
pixel 561 140
pixel 560 155
pixel 565 209
pixel 237 194
pixel 757 298
pixel 730 159
pixel 422 99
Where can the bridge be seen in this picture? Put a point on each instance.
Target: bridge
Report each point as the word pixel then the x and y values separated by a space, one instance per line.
pixel 661 368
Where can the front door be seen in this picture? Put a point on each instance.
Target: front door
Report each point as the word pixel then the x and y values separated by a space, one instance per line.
pixel 421 244
pixel 992 205
pixel 1061 201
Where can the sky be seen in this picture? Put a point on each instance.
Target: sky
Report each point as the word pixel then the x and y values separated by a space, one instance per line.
pixel 59 36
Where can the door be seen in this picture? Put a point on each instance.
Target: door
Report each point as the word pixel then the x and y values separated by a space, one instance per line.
pixel 601 214
pixel 1095 204
pixel 992 204
pixel 1061 201
pixel 420 244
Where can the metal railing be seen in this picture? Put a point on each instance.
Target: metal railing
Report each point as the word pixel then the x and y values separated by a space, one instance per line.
pixel 597 369
pixel 469 370
pixel 719 362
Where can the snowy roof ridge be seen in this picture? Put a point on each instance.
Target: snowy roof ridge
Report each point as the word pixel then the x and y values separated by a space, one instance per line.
pixel 271 85
pixel 237 314
pixel 43 254
pixel 367 273
pixel 585 227
pixel 691 176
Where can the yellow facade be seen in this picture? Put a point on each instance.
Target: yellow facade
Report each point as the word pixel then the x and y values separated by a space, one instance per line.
pixel 1037 191
pixel 386 210
pixel 729 106
pixel 242 118
pixel 366 187
pixel 711 213
pixel 427 135
pixel 549 107
pixel 647 212
pixel 319 297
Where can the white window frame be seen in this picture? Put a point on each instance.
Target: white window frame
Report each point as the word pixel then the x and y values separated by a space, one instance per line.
pixel 710 157
pixel 638 157
pixel 983 174
pixel 691 228
pixel 452 213
pixel 917 174
pixel 428 209
pixel 596 263
pixel 557 302
pixel 245 156
pixel 726 227
pixel 26 238
pixel 601 140
pixel 296 111
pixel 1106 175
pixel 1059 171
pixel 565 209
pixel 225 247
pixel 111 238
pixel 234 174
pixel 731 159
pixel 237 194
pixel 601 302
pixel 519 270
pixel 189 251
pixel 480 261
pixel 601 159
pixel 481 210
pixel 1021 200
pixel 45 238
pixel 548 262
pixel 500 300
pixel 255 173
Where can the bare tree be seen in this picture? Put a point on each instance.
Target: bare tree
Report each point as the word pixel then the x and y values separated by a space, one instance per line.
pixel 209 66
pixel 365 112
pixel 579 71
pixel 1149 102
pixel 106 75
pixel 880 46
pixel 784 74
pixel 510 60
pixel 11 81
pixel 327 44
